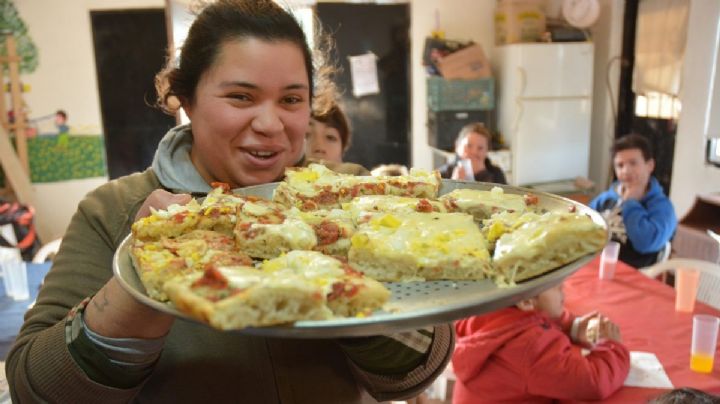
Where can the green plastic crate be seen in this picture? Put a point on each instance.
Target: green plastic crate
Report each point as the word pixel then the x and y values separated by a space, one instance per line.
pixel 460 95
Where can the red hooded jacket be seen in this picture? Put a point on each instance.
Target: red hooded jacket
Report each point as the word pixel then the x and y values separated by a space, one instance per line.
pixel 517 356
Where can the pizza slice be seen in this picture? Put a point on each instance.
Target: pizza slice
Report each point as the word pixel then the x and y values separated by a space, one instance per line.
pixel 268 236
pixel 364 206
pixel 538 246
pixel 238 297
pixel 172 221
pixel 420 246
pixel 160 260
pixel 317 187
pixel 216 212
pixel 482 204
pixel 301 285
pixel 347 291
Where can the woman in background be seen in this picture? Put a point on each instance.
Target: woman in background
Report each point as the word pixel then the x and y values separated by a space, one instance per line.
pixel 329 136
pixel 471 146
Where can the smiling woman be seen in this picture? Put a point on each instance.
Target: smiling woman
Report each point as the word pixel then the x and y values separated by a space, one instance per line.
pixel 249 114
pixel 245 79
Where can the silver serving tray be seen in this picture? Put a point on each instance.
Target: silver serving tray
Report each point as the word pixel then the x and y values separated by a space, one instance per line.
pixel 412 304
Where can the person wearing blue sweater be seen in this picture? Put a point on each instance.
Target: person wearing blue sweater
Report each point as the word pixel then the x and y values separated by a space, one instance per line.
pixel 641 218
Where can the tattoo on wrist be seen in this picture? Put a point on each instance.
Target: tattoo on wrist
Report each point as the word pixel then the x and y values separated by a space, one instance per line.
pixel 100 306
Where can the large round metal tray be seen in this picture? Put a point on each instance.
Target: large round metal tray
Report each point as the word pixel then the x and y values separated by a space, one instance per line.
pixel 412 304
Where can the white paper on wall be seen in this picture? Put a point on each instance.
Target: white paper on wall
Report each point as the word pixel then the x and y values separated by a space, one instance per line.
pixel 363 71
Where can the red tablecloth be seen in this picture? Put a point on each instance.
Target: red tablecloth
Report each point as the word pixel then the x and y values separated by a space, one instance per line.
pixel 644 309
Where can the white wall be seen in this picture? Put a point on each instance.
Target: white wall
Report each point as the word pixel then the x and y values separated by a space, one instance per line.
pixel 461 20
pixel 607 36
pixel 691 175
pixel 65 78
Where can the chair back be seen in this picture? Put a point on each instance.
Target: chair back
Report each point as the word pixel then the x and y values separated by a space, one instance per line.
pixel 47 251
pixel 708 285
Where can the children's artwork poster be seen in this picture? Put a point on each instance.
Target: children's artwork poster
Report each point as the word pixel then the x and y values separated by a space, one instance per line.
pixel 363 71
pixel 64 157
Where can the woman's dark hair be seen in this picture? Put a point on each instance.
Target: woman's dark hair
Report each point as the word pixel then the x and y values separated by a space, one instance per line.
pixel 335 118
pixel 475 127
pixel 633 141
pixel 217 23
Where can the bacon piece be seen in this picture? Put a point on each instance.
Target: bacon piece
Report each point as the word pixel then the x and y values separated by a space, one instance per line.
pixel 424 206
pixel 340 289
pixel 530 199
pixel 224 185
pixel 212 278
pixel 327 232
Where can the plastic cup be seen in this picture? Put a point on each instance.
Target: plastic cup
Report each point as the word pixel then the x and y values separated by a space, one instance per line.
pixel 686 285
pixel 608 260
pixel 15 279
pixel 704 342
pixel 467 167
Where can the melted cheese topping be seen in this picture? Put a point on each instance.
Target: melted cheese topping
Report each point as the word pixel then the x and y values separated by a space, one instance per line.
pixel 385 203
pixel 255 209
pixel 308 180
pixel 471 198
pixel 297 233
pixel 534 237
pixel 427 236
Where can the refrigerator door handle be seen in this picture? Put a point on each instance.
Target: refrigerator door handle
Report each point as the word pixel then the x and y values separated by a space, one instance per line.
pixel 518 116
pixel 522 75
pixel 523 81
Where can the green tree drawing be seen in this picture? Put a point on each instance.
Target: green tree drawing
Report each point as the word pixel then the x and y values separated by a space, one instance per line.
pixel 11 23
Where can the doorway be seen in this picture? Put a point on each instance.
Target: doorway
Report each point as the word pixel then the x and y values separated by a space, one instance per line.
pixel 129 50
pixel 380 122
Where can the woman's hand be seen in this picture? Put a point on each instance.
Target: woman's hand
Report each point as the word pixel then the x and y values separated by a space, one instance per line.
pixel 115 313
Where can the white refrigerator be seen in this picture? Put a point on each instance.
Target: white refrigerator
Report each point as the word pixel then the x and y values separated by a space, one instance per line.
pixel 544 109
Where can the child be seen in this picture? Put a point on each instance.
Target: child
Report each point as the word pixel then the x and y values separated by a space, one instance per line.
pixel 523 353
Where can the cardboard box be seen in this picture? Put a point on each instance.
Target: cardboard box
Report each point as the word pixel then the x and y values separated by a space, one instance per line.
pixel 519 21
pixel 468 63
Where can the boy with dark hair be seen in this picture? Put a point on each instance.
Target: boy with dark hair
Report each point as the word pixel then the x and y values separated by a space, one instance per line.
pixel 525 353
pixel 641 218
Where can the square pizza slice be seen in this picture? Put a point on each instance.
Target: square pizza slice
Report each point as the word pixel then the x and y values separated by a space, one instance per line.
pixel 317 187
pixel 362 207
pixel 482 204
pixel 347 291
pixel 239 297
pixel 538 246
pixel 420 246
pixel 160 260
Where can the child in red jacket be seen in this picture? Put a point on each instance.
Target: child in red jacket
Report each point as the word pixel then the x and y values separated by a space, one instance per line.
pixel 524 354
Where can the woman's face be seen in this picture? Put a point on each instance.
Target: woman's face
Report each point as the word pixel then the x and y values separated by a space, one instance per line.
pixel 250 113
pixel 474 147
pixel 323 142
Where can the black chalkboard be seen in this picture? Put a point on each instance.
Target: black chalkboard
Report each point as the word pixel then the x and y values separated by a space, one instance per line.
pixel 129 50
pixel 381 122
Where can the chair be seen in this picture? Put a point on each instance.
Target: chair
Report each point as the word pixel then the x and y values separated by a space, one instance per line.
pixel 664 254
pixel 709 284
pixel 47 251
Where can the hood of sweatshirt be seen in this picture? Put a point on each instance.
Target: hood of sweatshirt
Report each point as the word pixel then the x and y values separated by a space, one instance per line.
pixel 172 163
pixel 480 336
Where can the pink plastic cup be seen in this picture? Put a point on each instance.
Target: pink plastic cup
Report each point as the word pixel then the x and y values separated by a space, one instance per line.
pixel 686 284
pixel 608 260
